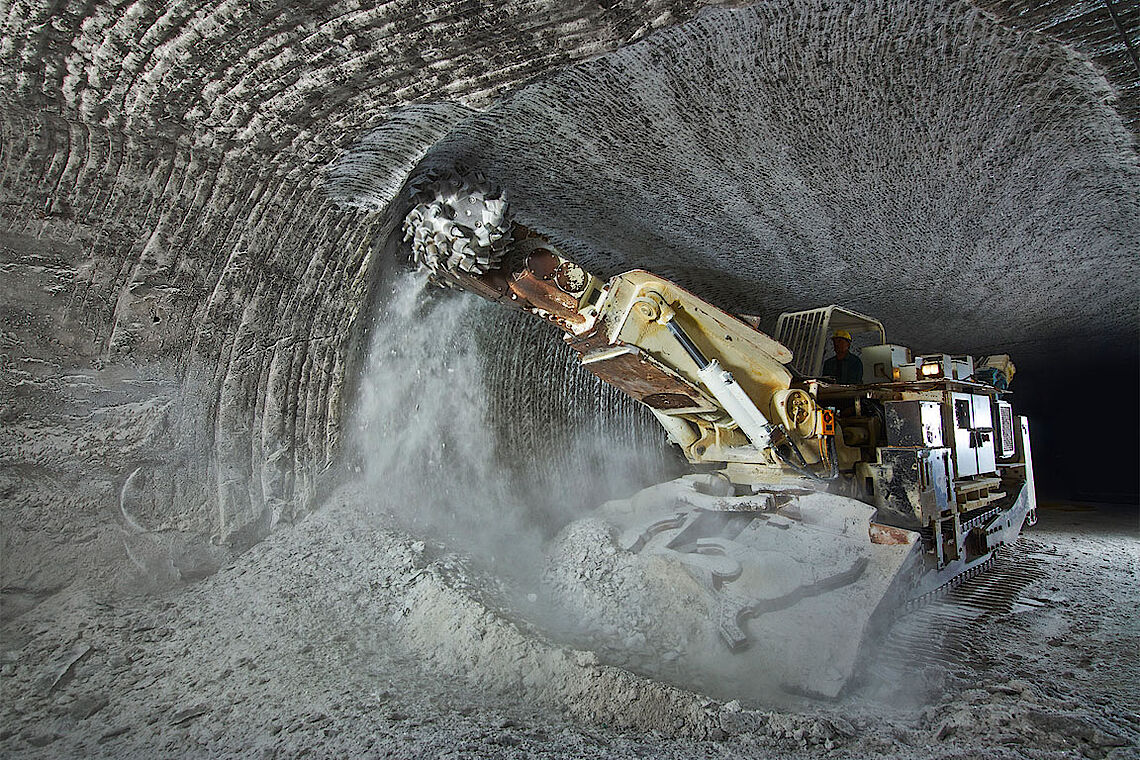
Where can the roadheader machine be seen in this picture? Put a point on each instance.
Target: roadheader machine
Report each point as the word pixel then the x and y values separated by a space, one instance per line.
pixel 807 495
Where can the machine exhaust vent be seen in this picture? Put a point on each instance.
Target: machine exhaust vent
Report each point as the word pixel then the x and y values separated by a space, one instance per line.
pixel 1005 415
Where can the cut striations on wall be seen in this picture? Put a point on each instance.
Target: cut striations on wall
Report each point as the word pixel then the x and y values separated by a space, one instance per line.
pixel 182 306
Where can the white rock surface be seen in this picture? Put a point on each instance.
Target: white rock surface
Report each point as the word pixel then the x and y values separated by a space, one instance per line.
pixel 339 636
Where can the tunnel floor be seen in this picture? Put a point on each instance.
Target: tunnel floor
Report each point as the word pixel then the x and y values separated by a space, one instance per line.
pixel 339 638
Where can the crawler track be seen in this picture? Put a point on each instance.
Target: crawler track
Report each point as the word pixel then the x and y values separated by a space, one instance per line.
pixel 940 630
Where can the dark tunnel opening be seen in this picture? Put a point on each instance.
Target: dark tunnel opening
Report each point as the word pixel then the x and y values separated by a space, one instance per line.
pixel 1083 417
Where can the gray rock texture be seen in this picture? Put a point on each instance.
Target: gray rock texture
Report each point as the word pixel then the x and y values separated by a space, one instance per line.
pixel 966 183
pixel 338 636
pixel 185 296
pixel 165 243
pixel 1105 31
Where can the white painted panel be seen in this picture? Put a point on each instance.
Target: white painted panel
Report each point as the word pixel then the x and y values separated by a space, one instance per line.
pixel 984 434
pixel 961 417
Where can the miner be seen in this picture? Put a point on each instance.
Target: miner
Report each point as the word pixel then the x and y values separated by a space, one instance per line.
pixel 845 367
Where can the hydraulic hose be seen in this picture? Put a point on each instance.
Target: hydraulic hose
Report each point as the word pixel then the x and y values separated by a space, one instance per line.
pixel 804 469
pixel 793 466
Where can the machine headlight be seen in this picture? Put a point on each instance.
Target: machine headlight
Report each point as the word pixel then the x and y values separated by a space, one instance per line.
pixel 931 370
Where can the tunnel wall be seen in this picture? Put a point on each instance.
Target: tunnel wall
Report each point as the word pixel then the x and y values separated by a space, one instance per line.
pixel 178 325
pixel 968 184
pixel 182 306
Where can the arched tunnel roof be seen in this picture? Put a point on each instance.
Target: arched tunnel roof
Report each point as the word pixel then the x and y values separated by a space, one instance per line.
pixel 965 172
pixel 945 159
pixel 964 182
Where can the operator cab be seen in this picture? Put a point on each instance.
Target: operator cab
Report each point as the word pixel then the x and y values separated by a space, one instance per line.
pixel 806 334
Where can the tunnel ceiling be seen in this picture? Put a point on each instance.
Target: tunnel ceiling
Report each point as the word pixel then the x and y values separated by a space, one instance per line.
pixel 851 152
pixel 174 270
pixel 967 183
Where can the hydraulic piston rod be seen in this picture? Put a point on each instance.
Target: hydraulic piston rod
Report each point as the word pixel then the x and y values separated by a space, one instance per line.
pixel 726 391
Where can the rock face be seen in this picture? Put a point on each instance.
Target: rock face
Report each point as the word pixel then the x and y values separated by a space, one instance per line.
pixel 144 272
pixel 1103 31
pixel 166 244
pixel 183 307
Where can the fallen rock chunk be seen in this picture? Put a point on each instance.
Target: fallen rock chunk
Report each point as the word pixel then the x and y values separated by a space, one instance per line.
pixel 1016 687
pixel 114 732
pixel 42 740
pixel 505 740
pixel 63 669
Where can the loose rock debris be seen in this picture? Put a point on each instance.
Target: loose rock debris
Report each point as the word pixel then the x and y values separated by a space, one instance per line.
pixel 338 637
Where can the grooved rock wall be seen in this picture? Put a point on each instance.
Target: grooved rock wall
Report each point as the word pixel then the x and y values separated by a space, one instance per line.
pixel 968 184
pixel 180 305
pixel 1107 31
pixel 183 309
pixel 185 295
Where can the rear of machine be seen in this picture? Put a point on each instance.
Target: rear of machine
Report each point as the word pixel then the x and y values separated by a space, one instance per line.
pixel 933 443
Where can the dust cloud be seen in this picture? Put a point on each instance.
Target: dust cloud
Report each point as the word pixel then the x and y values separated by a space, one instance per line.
pixel 476 433
pixel 474 430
